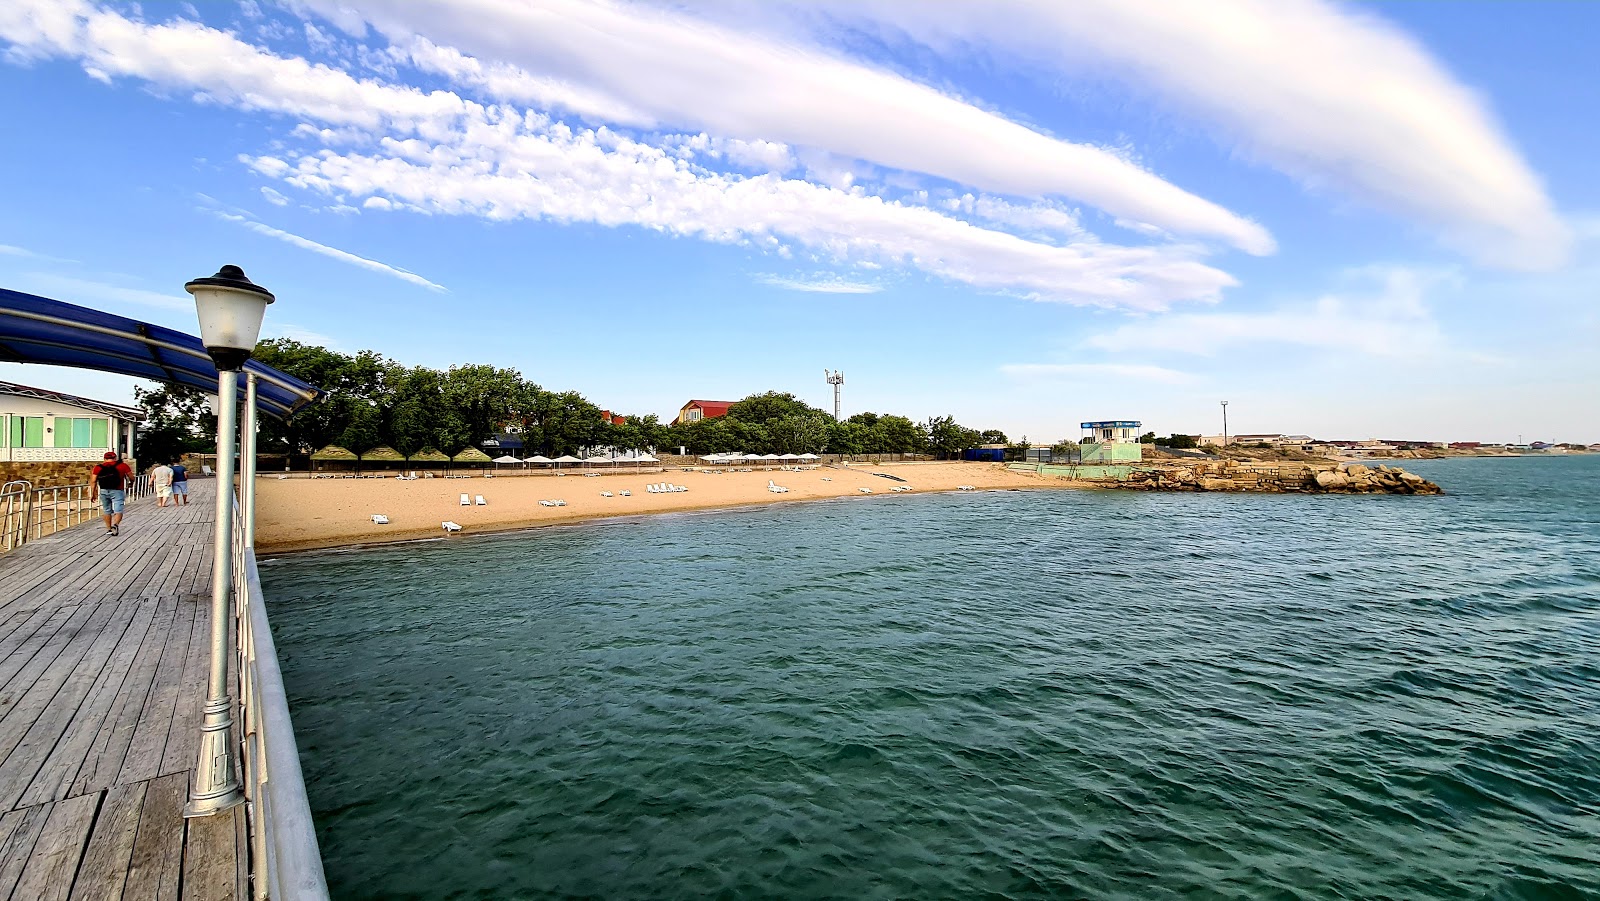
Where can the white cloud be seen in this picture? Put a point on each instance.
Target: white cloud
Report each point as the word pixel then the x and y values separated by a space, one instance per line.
pixel 1334 96
pixel 1393 321
pixel 1080 373
pixel 435 151
pixel 299 333
pixel 78 290
pixel 273 197
pixel 821 285
pixel 334 252
pixel 681 71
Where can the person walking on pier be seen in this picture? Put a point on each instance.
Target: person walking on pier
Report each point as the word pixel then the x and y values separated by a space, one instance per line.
pixel 111 477
pixel 180 484
pixel 161 483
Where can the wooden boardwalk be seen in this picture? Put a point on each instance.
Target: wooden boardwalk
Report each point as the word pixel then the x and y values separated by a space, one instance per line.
pixel 103 654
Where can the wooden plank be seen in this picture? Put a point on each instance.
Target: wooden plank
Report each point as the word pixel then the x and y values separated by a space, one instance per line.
pixel 44 674
pixel 20 830
pixel 49 871
pixel 98 641
pixel 104 868
pixel 157 861
pixel 21 653
pixel 55 777
pixel 104 760
pixel 183 743
pixel 149 743
pixel 211 851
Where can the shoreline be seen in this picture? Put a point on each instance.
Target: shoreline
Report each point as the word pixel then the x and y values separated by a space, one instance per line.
pixel 295 515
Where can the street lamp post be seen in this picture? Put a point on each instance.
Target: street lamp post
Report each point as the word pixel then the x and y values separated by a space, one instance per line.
pixel 1224 423
pixel 230 308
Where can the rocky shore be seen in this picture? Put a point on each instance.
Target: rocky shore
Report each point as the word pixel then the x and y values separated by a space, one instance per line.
pixel 1311 478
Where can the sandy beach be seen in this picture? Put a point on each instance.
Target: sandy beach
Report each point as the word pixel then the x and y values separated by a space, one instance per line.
pixel 303 514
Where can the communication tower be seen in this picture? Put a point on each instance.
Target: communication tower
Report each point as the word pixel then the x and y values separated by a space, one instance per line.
pixel 835 379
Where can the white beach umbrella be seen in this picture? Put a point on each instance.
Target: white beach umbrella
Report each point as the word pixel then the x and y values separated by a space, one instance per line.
pixel 537 458
pixel 752 456
pixel 789 457
pixel 770 457
pixel 565 458
pixel 648 458
pixel 506 458
pixel 809 456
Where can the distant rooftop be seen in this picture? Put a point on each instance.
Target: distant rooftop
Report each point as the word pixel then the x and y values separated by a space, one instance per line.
pixel 12 389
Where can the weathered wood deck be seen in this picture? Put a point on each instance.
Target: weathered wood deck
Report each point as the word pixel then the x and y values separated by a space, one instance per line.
pixel 103 653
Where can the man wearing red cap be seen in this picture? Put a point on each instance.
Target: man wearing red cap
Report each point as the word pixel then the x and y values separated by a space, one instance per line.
pixel 111 476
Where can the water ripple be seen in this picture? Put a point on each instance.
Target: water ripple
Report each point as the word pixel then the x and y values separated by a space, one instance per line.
pixel 1006 695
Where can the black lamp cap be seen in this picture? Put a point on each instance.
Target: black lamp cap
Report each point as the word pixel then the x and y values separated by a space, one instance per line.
pixel 230 276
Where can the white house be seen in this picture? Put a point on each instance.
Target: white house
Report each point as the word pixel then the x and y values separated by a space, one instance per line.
pixel 39 426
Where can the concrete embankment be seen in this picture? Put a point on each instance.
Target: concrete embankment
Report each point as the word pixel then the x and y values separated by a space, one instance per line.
pixel 1230 475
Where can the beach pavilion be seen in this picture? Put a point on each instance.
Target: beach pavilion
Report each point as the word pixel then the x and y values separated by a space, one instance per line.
pixel 333 453
pixel 538 460
pixel 565 458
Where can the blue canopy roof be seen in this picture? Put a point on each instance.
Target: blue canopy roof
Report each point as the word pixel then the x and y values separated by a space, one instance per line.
pixel 40 330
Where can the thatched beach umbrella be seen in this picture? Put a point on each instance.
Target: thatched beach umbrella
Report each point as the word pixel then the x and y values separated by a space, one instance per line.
pixel 429 455
pixel 471 455
pixel 382 454
pixel 333 453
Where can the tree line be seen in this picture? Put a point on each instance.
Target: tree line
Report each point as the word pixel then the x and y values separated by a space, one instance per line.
pixel 374 401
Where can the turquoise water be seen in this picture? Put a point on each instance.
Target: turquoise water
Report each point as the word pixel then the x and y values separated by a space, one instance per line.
pixel 1043 694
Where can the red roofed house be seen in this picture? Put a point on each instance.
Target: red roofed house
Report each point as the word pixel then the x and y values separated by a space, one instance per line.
pixel 696 410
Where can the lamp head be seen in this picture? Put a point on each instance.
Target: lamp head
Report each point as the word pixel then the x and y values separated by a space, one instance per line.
pixel 231 308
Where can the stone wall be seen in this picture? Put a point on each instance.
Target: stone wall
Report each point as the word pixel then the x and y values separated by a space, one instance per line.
pixel 50 475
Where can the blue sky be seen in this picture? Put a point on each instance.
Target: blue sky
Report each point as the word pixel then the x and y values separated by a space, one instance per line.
pixel 1347 220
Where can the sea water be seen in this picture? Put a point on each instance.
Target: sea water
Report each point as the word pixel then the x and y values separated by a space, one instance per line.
pixel 1015 694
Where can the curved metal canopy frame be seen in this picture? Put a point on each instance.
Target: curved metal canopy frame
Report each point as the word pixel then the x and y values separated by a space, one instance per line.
pixel 40 330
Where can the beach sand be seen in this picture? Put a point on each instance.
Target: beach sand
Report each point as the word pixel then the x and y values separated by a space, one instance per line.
pixel 302 514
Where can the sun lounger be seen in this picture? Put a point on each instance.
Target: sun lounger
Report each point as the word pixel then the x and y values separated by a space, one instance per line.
pixel 605 494
pixel 547 503
pixel 864 490
pixel 480 501
pixel 627 493
pixel 826 479
pixel 559 503
pixel 466 500
pixel 379 519
pixel 451 526
pixel 206 470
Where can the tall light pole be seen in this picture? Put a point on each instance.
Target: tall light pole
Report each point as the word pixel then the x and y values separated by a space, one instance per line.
pixel 1224 423
pixel 230 308
pixel 835 379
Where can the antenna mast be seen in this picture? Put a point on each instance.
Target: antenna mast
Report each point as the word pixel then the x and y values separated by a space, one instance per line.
pixel 835 379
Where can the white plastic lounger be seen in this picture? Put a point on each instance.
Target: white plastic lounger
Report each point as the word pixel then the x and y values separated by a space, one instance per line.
pixel 864 490
pixel 481 501
pixel 826 479
pixel 466 500
pixel 547 503
pixel 559 503
pixel 379 519
pixel 627 493
pixel 206 470
pixel 605 494
pixel 451 526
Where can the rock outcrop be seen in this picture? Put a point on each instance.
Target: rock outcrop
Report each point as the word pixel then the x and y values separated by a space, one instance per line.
pixel 1228 475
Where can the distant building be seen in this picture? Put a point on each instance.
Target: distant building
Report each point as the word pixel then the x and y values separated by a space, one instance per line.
pixel 46 436
pixel 1111 441
pixel 1465 445
pixel 696 410
pixel 613 418
pixel 985 453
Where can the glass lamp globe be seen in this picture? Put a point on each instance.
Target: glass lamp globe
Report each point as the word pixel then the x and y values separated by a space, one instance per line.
pixel 230 308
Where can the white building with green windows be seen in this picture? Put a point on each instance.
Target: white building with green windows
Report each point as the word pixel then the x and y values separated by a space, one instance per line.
pixel 39 426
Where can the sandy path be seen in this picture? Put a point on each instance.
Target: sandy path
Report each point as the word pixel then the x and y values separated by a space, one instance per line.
pixel 299 514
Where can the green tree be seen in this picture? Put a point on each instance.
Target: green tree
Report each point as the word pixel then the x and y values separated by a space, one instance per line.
pixel 177 421
pixel 995 436
pixel 764 408
pixel 1147 438
pixel 848 437
pixel 948 438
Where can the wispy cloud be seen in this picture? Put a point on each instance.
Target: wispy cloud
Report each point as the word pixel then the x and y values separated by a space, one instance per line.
pixel 77 290
pixel 821 285
pixel 273 197
pixel 343 256
pixel 436 151
pixel 11 250
pixel 1330 94
pixel 1392 320
pixel 676 70
pixel 1085 372
pixel 303 335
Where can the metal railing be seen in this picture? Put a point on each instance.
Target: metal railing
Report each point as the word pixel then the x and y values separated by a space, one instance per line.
pixel 285 861
pixel 28 513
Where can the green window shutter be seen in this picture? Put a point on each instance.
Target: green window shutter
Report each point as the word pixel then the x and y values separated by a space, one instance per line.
pixel 81 433
pixel 33 431
pixel 99 435
pixel 62 432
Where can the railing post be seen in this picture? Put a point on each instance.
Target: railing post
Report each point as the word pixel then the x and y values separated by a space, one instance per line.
pixel 247 449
